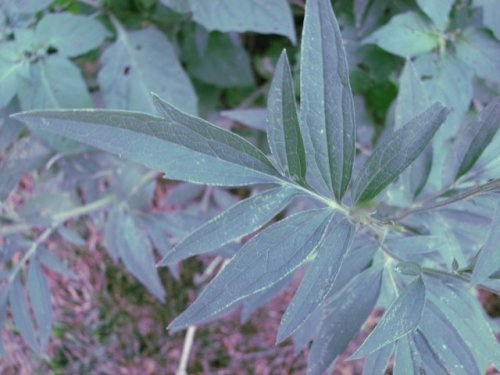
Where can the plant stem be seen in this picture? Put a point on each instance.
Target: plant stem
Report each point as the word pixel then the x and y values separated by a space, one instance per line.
pixel 186 350
pixel 489 187
pixel 430 271
pixel 329 202
pixel 60 217
pixel 31 251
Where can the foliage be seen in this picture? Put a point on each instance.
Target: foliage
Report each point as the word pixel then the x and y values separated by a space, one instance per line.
pixel 406 221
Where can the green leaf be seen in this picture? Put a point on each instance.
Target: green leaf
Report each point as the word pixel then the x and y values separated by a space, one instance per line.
pixel 261 16
pixel 357 258
pixel 472 140
pixel 402 317
pixel 451 85
pixel 138 63
pixel 491 15
pixel 377 362
pixel 71 34
pixel 4 293
pixel 12 69
pixel 395 153
pixel 157 233
pixel 25 6
pixel 181 6
pixel 319 278
pixel 468 317
pixel 184 147
pixel 70 235
pixel 327 107
pixel 212 140
pixel 408 268
pixel 111 229
pixel 415 248
pixel 480 52
pixel 39 292
pixel 449 347
pixel 405 358
pixel 223 62
pixel 437 11
pixel 269 257
pixel 283 129
pixel 54 264
pixel 412 101
pixel 252 117
pixel 9 128
pixel 53 82
pixel 428 360
pixel 488 260
pixel 406 35
pixel 346 313
pixel 307 331
pixel 258 300
pixel 20 312
pixel 241 219
pixel 134 249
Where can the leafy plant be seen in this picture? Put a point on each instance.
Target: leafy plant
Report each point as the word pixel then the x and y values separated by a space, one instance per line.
pixel 357 247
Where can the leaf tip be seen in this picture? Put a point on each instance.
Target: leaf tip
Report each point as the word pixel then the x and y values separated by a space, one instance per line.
pixel 281 336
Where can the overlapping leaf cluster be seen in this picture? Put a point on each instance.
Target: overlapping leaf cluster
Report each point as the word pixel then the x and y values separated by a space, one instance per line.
pixel 49 54
pixel 313 155
pixel 407 226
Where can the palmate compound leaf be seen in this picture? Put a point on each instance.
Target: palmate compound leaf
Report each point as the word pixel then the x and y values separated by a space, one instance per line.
pixel 346 313
pixel 184 147
pixel 319 277
pixel 270 256
pixel 283 131
pixel 395 153
pixel 239 220
pixel 488 260
pixel 402 317
pixel 471 141
pixel 327 106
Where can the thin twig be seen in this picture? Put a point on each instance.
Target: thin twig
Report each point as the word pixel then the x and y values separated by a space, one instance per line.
pixel 209 271
pixel 489 187
pixel 186 350
pixel 31 251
